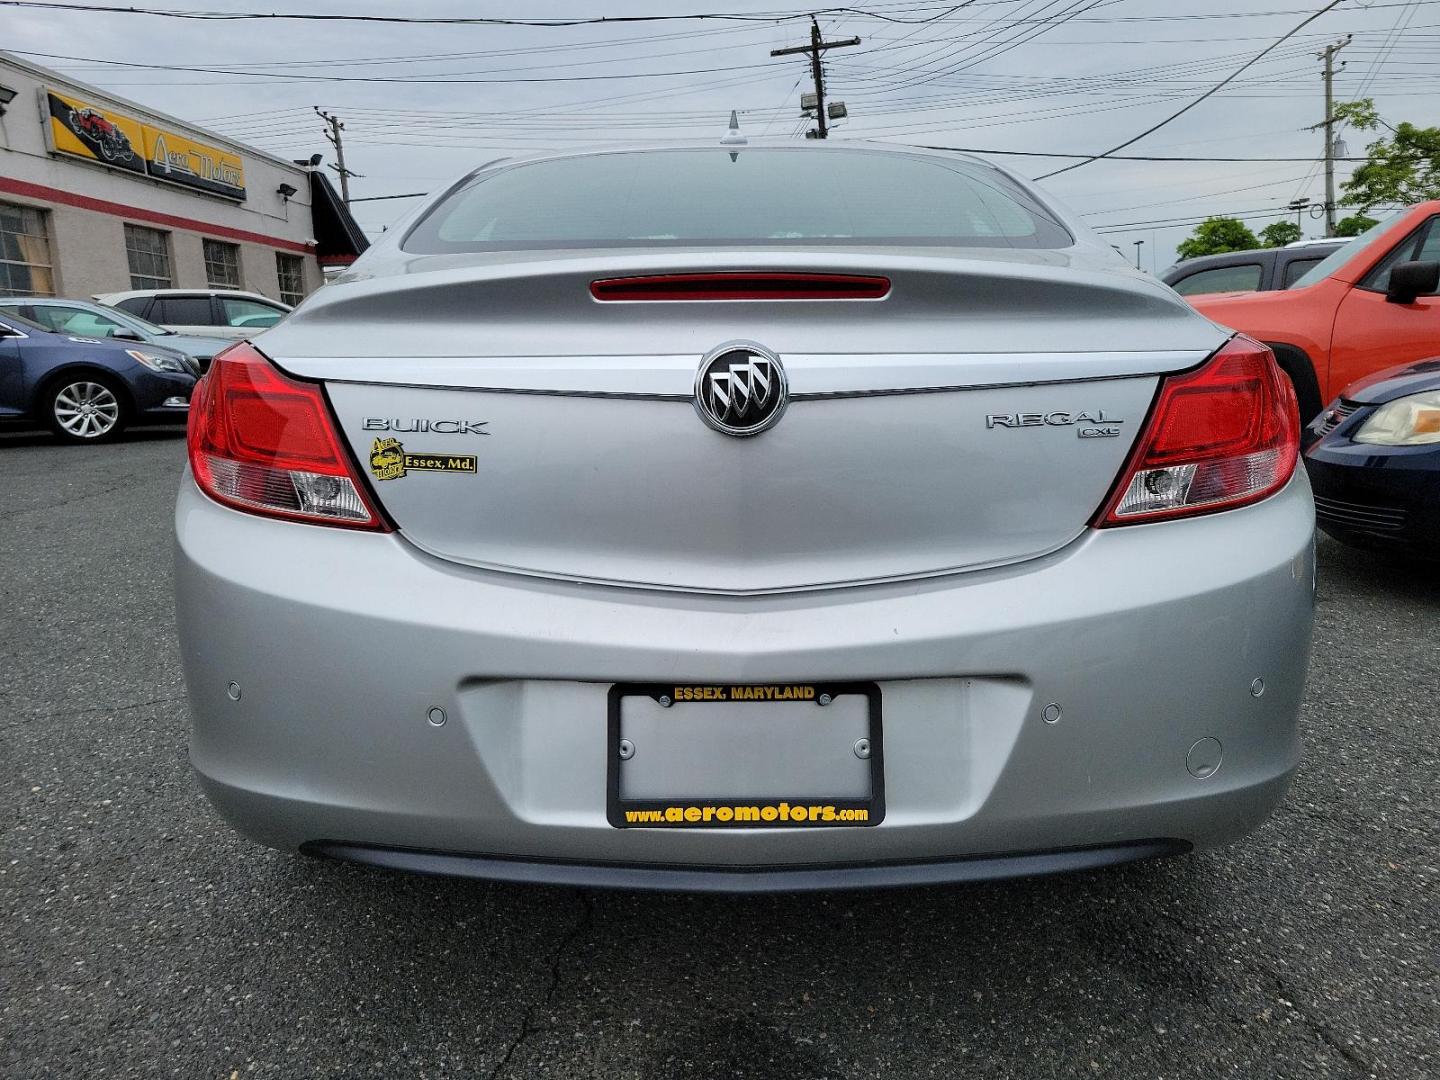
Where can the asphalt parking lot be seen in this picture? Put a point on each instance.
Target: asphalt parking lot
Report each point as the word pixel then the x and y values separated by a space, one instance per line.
pixel 141 938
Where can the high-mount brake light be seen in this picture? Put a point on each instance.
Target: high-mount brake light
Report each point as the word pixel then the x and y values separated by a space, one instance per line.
pixel 1224 435
pixel 264 443
pixel 742 285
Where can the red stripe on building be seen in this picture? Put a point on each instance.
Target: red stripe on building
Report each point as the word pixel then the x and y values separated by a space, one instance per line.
pixel 136 213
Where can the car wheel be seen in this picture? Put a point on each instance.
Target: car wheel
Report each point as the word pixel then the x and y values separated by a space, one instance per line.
pixel 85 409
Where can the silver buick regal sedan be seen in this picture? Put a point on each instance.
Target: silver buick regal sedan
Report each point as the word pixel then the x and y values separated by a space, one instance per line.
pixel 744 517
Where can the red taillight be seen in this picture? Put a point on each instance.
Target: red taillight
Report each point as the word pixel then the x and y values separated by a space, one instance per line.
pixel 732 285
pixel 266 444
pixel 1222 436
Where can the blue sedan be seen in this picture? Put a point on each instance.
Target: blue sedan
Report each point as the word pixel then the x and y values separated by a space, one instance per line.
pixel 85 318
pixel 84 389
pixel 1374 461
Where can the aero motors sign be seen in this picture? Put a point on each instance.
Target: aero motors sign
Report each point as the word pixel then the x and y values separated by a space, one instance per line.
pixel 122 142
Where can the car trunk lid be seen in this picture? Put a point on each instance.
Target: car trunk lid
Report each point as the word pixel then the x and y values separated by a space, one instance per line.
pixel 975 416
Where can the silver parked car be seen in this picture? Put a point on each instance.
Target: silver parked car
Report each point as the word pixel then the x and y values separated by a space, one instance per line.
pixel 218 313
pixel 86 318
pixel 744 517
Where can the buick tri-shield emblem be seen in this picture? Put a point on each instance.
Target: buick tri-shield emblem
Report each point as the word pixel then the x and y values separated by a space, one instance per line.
pixel 740 389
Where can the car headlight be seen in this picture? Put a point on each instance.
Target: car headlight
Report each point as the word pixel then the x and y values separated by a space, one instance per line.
pixel 1407 421
pixel 159 361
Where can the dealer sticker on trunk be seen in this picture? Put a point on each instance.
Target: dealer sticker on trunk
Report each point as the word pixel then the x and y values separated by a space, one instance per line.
pixel 390 461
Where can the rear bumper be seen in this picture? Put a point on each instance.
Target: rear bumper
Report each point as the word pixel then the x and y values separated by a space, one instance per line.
pixel 760 879
pixel 1149 638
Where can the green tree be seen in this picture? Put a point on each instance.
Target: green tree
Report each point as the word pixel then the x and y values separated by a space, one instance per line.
pixel 1354 225
pixel 1216 235
pixel 1402 168
pixel 1280 233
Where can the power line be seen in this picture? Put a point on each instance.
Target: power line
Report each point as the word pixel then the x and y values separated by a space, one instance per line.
pixel 995 49
pixel 1119 157
pixel 1191 198
pixel 935 48
pixel 416 80
pixel 383 198
pixel 876 12
pixel 1208 93
pixel 478 20
pixel 1181 222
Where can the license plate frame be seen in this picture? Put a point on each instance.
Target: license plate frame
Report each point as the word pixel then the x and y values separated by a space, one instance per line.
pixel 786 811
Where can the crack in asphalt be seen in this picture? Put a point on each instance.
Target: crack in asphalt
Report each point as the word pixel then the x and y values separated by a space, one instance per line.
pixel 1288 998
pixel 1321 1028
pixel 86 712
pixel 103 492
pixel 527 1022
pixel 1325 817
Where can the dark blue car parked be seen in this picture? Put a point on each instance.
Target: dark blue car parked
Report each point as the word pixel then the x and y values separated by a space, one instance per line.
pixel 84 389
pixel 1374 461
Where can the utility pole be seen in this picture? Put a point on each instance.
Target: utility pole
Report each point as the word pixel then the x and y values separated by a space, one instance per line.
pixel 815 48
pixel 1328 55
pixel 335 127
pixel 1298 205
pixel 1137 253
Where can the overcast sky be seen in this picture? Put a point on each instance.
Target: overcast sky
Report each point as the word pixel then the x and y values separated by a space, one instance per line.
pixel 1071 76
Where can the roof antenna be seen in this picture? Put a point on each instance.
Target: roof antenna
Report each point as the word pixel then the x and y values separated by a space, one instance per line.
pixel 733 136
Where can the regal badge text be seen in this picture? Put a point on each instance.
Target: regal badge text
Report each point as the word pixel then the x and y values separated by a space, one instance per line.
pixel 1087 425
pixel 389 461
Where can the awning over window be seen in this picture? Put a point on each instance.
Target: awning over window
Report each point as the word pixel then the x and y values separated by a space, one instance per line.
pixel 339 238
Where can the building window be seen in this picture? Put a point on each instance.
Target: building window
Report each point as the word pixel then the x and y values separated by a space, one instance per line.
pixel 25 266
pixel 148 251
pixel 222 265
pixel 291 271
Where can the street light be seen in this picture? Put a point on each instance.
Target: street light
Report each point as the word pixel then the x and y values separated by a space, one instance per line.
pixel 1137 253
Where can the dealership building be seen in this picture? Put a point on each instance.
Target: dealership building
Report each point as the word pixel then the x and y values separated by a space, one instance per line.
pixel 98 195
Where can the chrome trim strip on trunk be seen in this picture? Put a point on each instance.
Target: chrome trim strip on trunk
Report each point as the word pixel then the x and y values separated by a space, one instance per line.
pixel 1080 535
pixel 671 377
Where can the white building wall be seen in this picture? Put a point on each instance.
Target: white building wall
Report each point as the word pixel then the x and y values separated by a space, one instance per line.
pixel 88 244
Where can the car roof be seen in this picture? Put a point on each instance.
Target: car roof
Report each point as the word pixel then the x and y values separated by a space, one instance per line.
pixel 1248 255
pixel 130 294
pixel 42 300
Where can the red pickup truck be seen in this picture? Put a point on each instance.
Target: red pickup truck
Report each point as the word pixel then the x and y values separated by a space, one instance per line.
pixel 1371 304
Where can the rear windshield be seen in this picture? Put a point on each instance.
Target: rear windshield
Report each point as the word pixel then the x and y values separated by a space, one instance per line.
pixel 762 196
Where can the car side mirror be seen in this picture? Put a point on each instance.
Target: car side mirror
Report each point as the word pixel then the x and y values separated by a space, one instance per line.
pixel 127 335
pixel 1409 280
